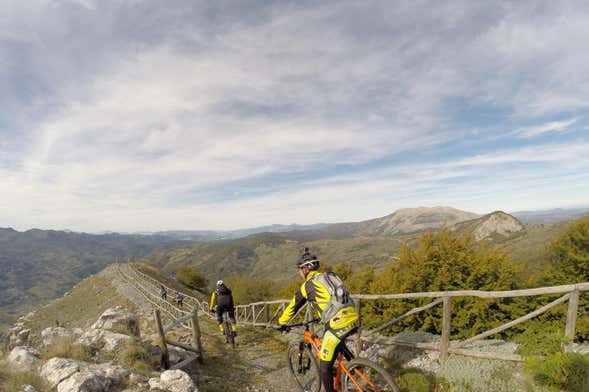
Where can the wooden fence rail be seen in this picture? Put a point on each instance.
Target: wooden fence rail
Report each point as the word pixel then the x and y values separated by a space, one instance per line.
pixel 260 314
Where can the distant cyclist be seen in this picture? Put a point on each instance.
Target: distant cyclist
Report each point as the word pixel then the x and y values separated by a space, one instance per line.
pixel 179 298
pixel 221 301
pixel 331 301
pixel 163 292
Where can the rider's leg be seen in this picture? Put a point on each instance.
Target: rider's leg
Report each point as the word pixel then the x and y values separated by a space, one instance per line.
pixel 232 319
pixel 327 356
pixel 220 318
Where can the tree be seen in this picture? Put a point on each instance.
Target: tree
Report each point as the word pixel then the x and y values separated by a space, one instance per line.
pixel 192 278
pixel 570 254
pixel 445 261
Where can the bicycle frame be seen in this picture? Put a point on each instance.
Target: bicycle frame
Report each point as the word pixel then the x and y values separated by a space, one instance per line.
pixel 344 355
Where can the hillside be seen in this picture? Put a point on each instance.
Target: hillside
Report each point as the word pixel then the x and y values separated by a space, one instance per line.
pixel 400 222
pixel 273 256
pixel 39 265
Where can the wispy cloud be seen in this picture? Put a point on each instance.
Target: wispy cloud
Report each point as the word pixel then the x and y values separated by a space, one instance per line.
pixel 552 126
pixel 222 114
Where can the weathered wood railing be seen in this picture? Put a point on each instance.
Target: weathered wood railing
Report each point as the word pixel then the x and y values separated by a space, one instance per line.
pixel 265 313
pixel 187 316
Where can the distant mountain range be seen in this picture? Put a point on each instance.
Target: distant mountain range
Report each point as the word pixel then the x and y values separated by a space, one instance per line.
pixel 210 235
pixel 39 265
pixel 551 216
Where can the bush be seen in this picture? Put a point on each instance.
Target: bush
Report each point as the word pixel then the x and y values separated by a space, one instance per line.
pixel 135 356
pixel 539 339
pixel 414 380
pixel 191 278
pixel 560 371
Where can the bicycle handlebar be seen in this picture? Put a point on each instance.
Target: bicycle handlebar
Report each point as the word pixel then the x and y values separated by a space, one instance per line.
pixel 305 324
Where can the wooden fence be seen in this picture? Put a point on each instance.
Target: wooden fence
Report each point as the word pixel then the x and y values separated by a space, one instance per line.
pixel 187 316
pixel 265 314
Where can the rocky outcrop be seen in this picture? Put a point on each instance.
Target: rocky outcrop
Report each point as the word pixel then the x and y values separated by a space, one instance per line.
pixel 497 223
pixel 105 340
pixel 68 375
pixel 22 358
pixel 173 381
pixel 50 334
pixel 118 320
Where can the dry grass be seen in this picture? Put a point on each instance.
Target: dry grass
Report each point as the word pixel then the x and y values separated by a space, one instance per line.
pixel 12 381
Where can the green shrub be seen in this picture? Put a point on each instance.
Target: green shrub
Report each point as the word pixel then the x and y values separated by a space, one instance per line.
pixel 191 278
pixel 539 339
pixel 560 371
pixel 135 356
pixel 414 380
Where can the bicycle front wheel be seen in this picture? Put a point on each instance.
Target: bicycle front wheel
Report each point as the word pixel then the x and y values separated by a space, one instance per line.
pixel 367 376
pixel 230 338
pixel 303 368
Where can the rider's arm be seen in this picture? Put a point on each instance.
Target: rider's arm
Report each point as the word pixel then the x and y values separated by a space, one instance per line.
pixel 293 307
pixel 213 301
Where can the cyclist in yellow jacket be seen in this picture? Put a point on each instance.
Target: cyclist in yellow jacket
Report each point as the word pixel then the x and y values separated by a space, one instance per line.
pixel 339 314
pixel 221 301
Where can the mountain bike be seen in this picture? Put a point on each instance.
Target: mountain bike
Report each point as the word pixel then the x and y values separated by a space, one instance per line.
pixel 351 374
pixel 227 330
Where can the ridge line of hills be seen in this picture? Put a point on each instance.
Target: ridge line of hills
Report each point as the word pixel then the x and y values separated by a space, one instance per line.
pixel 39 265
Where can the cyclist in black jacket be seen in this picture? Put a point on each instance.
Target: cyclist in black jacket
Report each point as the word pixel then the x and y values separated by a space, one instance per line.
pixel 222 300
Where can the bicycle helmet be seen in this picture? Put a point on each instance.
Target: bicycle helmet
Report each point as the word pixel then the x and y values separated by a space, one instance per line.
pixel 308 261
pixel 220 283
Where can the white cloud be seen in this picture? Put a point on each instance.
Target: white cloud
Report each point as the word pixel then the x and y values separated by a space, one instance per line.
pixel 119 110
pixel 552 126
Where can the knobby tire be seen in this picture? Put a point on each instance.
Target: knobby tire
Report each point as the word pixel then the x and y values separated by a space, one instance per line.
pixel 371 373
pixel 303 367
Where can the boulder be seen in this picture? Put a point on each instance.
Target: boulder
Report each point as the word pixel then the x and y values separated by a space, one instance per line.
pixel 49 334
pixel 106 340
pixel 154 383
pixel 176 381
pixel 85 381
pixel 22 358
pixel 58 369
pixel 70 375
pixel 28 388
pixel 118 320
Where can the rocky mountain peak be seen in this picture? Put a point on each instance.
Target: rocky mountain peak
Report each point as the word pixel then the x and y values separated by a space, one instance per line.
pixel 497 223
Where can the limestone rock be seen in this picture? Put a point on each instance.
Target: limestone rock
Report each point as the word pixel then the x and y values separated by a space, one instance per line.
pixel 85 381
pixel 22 358
pixel 49 334
pixel 154 383
pixel 106 340
pixel 58 369
pixel 118 320
pixel 176 381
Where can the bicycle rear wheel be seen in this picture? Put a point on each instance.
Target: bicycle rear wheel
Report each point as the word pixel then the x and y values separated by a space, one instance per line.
pixel 303 368
pixel 230 338
pixel 367 376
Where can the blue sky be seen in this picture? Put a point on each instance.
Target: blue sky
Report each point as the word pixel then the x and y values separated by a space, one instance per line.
pixel 150 115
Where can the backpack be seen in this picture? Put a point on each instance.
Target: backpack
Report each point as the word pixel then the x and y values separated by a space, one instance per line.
pixel 339 293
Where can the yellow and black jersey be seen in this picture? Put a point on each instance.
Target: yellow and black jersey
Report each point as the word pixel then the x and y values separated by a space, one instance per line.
pixel 318 295
pixel 222 297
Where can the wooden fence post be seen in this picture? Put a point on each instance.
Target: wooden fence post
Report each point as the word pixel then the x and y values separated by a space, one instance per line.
pixel 253 314
pixel 196 335
pixel 446 320
pixel 569 331
pixel 267 314
pixel 165 359
pixel 359 333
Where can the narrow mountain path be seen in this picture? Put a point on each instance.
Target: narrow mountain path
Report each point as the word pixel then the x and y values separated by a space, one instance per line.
pixel 257 364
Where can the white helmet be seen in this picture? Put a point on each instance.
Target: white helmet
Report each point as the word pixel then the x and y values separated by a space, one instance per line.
pixel 220 283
